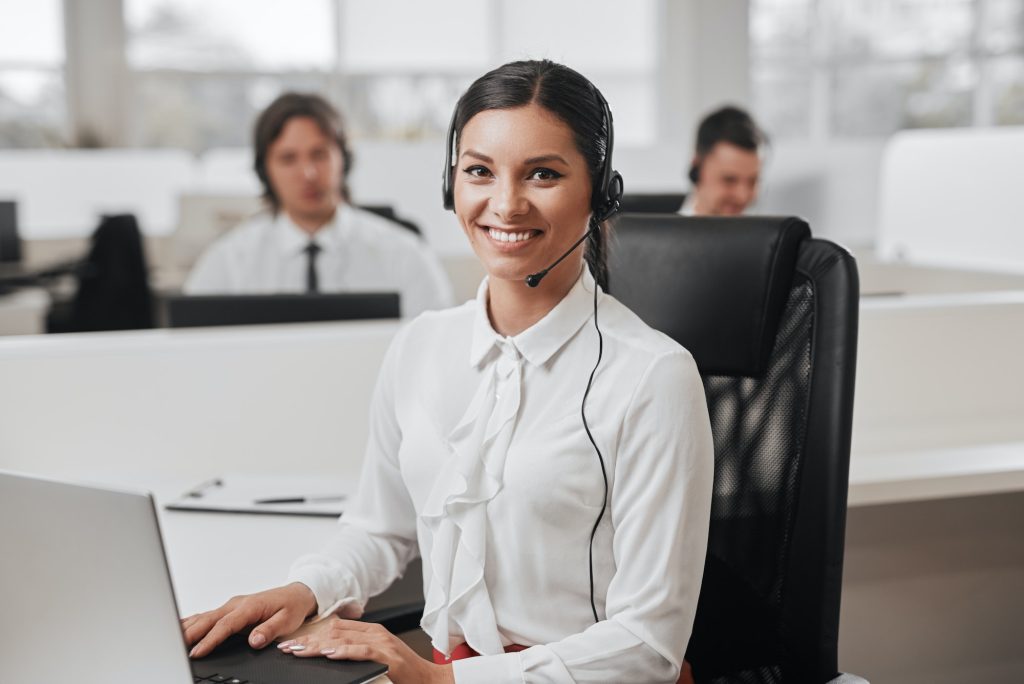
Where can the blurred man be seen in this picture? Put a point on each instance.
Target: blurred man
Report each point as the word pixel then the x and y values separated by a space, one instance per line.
pixel 726 166
pixel 311 239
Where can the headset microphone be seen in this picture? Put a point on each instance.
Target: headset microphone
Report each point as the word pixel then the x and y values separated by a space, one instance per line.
pixel 533 280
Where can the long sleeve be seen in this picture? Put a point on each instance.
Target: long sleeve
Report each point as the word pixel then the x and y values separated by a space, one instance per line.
pixel 659 511
pixel 376 537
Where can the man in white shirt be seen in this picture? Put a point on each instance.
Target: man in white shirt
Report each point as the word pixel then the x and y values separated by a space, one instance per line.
pixel 312 239
pixel 726 166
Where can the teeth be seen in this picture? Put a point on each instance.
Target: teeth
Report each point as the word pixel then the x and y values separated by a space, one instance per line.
pixel 504 236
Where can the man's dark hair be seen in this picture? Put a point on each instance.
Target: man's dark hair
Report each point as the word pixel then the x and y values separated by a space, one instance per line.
pixel 271 122
pixel 729 125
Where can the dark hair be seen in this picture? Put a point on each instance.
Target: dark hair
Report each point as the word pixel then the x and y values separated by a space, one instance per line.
pixel 569 96
pixel 729 125
pixel 271 122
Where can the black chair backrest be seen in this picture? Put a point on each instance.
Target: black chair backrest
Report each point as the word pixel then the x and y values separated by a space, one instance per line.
pixel 113 281
pixel 770 315
pixel 652 203
pixel 388 212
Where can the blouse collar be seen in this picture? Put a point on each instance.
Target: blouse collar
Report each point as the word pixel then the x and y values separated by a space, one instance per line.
pixel 540 341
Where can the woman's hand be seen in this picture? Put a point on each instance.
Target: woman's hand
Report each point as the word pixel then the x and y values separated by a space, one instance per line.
pixel 275 612
pixel 350 640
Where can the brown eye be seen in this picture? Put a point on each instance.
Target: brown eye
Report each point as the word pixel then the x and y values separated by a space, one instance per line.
pixel 544 174
pixel 477 171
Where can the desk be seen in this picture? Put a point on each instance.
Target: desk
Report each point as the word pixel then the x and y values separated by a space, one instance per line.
pixel 23 311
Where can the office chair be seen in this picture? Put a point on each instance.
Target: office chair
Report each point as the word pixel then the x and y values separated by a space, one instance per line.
pixel 652 203
pixel 113 283
pixel 388 212
pixel 770 316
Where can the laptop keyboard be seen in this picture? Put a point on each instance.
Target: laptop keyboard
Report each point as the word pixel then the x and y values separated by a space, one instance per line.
pixel 219 678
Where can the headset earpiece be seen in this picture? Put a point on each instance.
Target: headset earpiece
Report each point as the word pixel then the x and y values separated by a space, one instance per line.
pixel 447 182
pixel 694 173
pixel 607 194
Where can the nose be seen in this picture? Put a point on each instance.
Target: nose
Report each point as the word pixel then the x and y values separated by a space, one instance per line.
pixel 743 195
pixel 309 170
pixel 508 200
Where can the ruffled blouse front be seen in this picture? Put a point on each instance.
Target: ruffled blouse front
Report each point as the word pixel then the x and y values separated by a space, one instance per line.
pixel 457 601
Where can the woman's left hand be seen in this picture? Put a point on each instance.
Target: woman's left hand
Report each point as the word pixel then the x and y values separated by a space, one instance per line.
pixel 339 639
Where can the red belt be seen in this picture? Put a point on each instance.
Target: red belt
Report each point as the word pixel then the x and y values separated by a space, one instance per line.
pixel 464 651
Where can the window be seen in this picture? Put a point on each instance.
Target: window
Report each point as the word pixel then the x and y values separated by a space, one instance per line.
pixel 32 101
pixel 849 68
pixel 202 69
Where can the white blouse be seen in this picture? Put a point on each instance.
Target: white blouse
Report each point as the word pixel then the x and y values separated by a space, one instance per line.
pixel 359 251
pixel 478 461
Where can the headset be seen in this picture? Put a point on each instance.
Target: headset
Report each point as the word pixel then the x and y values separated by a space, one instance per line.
pixel 604 202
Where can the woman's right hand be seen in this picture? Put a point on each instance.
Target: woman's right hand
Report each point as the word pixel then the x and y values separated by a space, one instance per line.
pixel 275 612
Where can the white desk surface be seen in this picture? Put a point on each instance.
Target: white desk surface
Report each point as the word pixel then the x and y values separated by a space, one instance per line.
pixel 23 311
pixel 936 473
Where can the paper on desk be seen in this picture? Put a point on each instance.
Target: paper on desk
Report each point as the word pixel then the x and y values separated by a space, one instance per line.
pixel 238 493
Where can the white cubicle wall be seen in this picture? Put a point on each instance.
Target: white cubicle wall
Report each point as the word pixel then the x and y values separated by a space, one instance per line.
pixel 63 193
pixel 190 403
pixel 951 197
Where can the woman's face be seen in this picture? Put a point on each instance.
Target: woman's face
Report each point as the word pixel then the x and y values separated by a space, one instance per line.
pixel 522 192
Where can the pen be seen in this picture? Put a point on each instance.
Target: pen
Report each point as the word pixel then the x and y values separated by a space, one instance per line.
pixel 200 489
pixel 302 499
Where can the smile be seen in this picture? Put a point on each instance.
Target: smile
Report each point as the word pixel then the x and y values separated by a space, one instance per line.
pixel 511 236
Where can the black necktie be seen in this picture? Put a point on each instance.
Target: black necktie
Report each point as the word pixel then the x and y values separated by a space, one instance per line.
pixel 312 249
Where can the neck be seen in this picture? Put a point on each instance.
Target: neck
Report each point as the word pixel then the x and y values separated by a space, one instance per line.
pixel 513 306
pixel 698 206
pixel 311 223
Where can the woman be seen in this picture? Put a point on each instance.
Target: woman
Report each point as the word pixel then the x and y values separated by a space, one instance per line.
pixel 546 453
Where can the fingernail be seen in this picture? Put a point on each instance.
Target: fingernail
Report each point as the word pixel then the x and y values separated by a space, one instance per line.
pixel 286 644
pixel 256 639
pixel 327 651
pixel 297 647
pixel 192 653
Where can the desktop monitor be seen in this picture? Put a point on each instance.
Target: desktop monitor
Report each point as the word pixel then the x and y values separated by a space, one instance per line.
pixel 185 311
pixel 10 241
pixel 652 203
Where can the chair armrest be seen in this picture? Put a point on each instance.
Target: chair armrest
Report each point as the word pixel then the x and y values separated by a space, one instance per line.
pixel 397 619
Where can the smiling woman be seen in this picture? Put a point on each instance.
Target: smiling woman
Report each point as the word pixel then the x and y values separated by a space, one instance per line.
pixel 554 473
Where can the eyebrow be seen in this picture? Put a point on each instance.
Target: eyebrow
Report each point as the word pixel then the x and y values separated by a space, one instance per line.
pixel 532 160
pixel 477 155
pixel 546 158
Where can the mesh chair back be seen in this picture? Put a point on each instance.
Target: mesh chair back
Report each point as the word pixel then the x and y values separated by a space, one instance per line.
pixel 769 603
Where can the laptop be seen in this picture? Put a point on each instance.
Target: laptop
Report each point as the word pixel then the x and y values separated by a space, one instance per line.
pixel 184 311
pixel 86 597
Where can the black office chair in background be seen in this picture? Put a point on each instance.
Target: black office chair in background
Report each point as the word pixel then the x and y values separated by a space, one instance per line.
pixel 388 212
pixel 770 315
pixel 652 203
pixel 113 291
